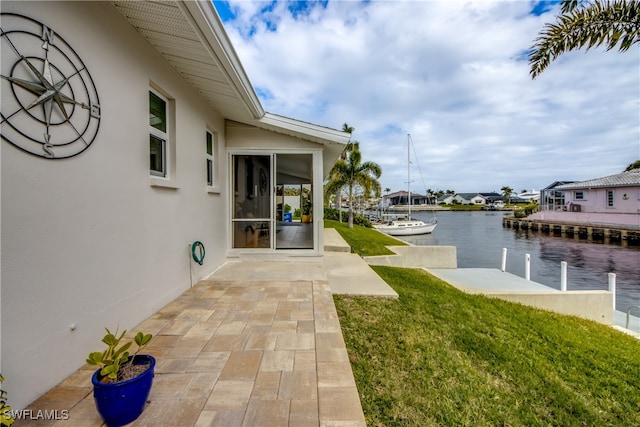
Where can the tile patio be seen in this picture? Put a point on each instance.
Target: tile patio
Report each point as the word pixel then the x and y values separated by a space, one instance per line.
pixel 245 348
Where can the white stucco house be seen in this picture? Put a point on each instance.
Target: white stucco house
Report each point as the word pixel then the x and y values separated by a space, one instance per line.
pixel 470 199
pixel 130 131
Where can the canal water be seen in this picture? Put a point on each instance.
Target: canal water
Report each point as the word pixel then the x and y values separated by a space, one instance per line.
pixel 479 238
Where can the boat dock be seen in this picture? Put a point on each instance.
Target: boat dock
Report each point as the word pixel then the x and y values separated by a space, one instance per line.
pixel 608 233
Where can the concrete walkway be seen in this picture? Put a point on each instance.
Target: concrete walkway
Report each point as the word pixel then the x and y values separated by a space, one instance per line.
pixel 348 273
pixel 257 345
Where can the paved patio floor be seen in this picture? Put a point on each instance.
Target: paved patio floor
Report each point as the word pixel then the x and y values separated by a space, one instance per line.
pixel 243 349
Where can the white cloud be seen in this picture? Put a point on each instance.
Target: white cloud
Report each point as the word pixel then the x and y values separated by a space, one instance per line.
pixel 454 75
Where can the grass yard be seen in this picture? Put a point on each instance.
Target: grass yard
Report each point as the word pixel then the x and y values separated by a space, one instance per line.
pixel 440 357
pixel 364 241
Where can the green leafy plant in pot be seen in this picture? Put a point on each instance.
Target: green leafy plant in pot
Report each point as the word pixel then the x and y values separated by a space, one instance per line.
pixel 123 381
pixel 306 205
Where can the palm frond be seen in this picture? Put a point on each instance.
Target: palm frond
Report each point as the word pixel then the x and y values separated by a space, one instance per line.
pixel 612 23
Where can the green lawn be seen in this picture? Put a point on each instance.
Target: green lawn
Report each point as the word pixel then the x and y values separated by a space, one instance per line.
pixel 364 241
pixel 440 357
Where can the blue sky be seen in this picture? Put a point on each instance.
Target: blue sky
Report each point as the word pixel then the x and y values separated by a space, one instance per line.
pixel 454 75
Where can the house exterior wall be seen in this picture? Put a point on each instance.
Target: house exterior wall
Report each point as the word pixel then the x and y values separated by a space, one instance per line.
pixel 632 220
pixel 88 242
pixel 447 200
pixel 476 200
pixel 459 199
pixel 626 200
pixel 593 207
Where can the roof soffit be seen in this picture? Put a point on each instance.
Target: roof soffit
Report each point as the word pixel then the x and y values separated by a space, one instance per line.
pixel 190 36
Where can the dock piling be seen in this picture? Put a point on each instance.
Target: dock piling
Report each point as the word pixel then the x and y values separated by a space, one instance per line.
pixel 504 260
pixel 563 276
pixel 612 287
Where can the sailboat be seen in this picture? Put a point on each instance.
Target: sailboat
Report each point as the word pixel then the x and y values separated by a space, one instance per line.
pixel 409 226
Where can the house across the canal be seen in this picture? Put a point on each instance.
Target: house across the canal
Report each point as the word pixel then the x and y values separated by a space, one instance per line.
pixel 613 200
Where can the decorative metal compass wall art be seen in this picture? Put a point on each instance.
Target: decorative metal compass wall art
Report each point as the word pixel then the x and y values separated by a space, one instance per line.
pixel 50 105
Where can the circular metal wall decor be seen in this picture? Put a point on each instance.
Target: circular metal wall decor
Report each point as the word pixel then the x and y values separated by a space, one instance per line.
pixel 50 105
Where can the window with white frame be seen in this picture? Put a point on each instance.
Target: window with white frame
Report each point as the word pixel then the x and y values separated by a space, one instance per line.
pixel 610 198
pixel 211 146
pixel 158 134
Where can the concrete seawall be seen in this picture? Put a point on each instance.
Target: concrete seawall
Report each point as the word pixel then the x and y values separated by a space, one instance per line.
pixel 417 257
pixel 441 261
pixel 611 233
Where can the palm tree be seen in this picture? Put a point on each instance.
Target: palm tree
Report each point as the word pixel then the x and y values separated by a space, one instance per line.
pixel 351 172
pixel 587 23
pixel 506 192
pixel 348 129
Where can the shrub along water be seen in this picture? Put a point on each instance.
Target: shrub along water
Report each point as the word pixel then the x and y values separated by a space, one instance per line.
pixel 334 215
pixel 438 356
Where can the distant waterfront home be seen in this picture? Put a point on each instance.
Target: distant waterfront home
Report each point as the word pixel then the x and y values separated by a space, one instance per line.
pixel 612 199
pixel 130 131
pixel 401 197
pixel 470 199
pixel 531 196
pixel 446 200
pixel 493 198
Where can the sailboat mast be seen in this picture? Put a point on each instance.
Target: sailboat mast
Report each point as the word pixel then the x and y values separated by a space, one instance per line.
pixel 409 172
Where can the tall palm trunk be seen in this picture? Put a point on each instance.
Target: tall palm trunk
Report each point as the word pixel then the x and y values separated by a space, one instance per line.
pixel 350 206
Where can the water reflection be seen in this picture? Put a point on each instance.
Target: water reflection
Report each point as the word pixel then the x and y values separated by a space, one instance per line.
pixel 480 237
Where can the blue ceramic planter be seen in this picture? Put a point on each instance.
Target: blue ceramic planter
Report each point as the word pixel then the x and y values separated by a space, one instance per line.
pixel 123 402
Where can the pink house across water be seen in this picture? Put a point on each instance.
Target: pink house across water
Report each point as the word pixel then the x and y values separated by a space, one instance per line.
pixel 613 200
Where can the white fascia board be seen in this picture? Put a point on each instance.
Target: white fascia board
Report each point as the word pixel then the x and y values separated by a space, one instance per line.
pixel 333 141
pixel 207 24
pixel 304 130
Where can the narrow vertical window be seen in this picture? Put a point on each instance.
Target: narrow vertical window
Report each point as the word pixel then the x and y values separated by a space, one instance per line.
pixel 610 198
pixel 158 135
pixel 209 142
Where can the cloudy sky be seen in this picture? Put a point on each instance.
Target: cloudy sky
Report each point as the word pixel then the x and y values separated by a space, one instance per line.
pixel 454 75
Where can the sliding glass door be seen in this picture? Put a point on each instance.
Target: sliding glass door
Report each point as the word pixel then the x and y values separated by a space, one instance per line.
pixel 251 211
pixel 272 216
pixel 294 201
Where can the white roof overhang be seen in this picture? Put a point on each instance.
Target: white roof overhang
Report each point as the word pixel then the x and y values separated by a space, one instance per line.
pixel 191 37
